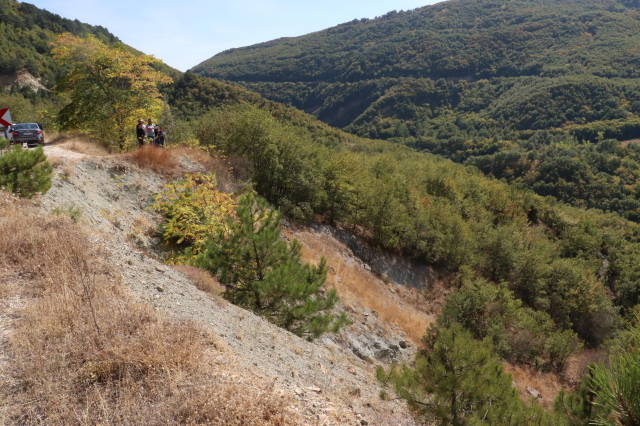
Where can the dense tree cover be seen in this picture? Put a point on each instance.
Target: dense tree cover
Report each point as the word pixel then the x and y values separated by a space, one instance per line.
pixel 556 263
pixel 25 36
pixel 459 381
pixel 464 38
pixel 602 175
pixel 473 80
pixel 584 170
pixel 518 334
pixel 523 64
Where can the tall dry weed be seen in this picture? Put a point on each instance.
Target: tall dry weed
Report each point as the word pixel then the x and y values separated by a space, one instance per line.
pixel 83 352
pixel 202 280
pixel 157 159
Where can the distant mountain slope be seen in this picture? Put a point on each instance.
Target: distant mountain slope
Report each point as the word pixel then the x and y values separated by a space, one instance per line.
pixel 516 88
pixel 380 78
pixel 459 38
pixel 25 35
pixel 191 95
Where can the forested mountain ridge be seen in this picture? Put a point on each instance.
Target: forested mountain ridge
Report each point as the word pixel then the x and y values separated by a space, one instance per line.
pixel 474 80
pixel 26 33
pixel 470 39
pixel 345 75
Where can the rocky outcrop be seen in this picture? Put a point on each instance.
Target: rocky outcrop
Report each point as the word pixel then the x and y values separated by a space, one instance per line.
pixel 21 79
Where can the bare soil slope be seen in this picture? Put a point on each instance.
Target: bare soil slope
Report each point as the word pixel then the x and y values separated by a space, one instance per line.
pixel 331 378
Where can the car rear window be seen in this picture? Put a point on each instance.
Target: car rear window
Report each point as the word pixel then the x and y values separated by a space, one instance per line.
pixel 26 126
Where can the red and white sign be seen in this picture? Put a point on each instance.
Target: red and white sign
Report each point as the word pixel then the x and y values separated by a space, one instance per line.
pixel 5 117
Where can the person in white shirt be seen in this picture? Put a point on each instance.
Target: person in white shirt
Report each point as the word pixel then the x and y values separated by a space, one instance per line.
pixel 151 132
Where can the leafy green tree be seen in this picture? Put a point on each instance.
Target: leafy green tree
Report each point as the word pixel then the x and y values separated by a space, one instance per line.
pixel 25 172
pixel 21 109
pixel 263 273
pixel 458 381
pixel 109 88
pixel 618 387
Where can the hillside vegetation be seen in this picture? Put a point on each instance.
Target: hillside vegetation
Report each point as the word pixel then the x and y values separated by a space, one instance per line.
pixel 472 78
pixel 25 36
pixel 533 280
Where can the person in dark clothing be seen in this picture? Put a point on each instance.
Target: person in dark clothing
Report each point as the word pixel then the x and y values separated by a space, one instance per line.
pixel 160 137
pixel 141 132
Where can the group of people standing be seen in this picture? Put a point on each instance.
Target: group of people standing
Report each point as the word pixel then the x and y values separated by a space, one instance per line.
pixel 151 133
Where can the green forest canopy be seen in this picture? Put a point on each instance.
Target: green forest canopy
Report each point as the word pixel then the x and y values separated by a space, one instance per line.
pixel 474 80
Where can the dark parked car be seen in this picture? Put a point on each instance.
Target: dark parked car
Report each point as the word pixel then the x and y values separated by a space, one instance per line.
pixel 30 133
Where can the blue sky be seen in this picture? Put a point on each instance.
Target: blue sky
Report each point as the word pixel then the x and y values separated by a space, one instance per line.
pixel 184 33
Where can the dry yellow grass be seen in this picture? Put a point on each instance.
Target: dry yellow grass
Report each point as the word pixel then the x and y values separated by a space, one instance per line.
pixel 203 280
pixel 82 352
pixel 356 285
pixel 548 384
pixel 56 161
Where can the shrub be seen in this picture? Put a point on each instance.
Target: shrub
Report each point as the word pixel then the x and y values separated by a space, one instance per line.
pixel 618 387
pixel 560 346
pixel 25 172
pixel 519 334
pixel 194 211
pixel 156 159
pixel 74 212
pixel 4 143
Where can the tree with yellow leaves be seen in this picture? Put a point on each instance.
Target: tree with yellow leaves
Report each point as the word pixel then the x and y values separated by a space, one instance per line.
pixel 109 88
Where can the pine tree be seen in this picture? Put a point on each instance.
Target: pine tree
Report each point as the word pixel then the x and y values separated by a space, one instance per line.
pixel 618 387
pixel 458 381
pixel 263 273
pixel 25 172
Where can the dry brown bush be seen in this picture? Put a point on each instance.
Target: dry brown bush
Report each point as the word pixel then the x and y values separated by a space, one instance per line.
pixel 56 161
pixel 69 169
pixel 82 352
pixel 157 159
pixel 202 279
